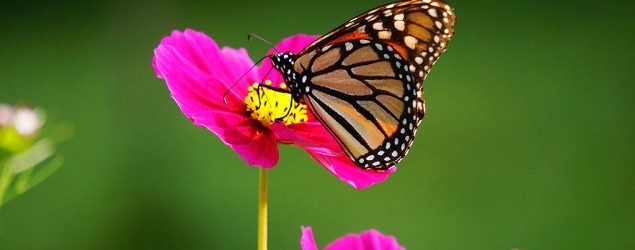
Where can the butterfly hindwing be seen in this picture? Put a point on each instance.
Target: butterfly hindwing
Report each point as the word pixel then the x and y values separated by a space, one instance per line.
pixel 365 98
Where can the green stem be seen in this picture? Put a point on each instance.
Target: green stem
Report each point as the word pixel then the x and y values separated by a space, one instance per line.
pixel 262 211
pixel 5 179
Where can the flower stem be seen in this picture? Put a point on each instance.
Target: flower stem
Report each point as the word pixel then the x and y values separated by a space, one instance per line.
pixel 262 211
pixel 6 175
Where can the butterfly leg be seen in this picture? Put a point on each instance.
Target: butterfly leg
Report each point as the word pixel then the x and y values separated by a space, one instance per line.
pixel 262 94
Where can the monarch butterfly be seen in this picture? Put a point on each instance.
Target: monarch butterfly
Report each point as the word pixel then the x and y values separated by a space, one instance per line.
pixel 363 80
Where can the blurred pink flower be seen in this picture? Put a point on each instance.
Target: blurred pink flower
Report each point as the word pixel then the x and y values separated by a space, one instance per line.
pixel 198 73
pixel 368 240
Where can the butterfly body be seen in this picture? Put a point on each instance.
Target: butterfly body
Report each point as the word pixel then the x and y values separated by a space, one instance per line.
pixel 363 80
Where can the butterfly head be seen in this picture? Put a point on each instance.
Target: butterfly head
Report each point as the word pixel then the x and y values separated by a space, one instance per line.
pixel 283 62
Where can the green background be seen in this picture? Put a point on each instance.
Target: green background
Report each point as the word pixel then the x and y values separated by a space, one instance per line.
pixel 528 141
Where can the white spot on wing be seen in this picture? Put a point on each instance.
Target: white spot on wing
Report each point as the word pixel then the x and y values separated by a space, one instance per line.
pixel 378 26
pixel 438 24
pixel 349 46
pixel 410 41
pixel 400 25
pixel 384 34
pixel 432 12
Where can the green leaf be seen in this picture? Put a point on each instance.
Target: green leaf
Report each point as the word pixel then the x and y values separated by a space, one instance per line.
pixel 31 157
pixel 32 177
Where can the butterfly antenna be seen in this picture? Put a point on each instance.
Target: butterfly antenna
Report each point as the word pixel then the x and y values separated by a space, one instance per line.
pixel 241 77
pixel 262 40
pixel 261 86
pixel 265 76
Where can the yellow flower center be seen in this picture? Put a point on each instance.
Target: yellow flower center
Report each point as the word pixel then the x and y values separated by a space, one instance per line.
pixel 269 105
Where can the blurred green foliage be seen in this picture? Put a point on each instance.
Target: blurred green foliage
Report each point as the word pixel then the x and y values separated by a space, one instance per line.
pixel 528 140
pixel 27 156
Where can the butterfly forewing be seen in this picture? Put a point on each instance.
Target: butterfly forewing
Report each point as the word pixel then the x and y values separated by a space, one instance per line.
pixel 419 30
pixel 363 80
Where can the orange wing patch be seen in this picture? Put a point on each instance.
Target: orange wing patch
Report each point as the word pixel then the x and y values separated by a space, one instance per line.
pixel 341 81
pixel 353 35
pixel 387 122
pixel 371 134
pixel 380 68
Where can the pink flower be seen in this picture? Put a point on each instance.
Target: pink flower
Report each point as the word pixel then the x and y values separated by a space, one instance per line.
pixel 198 73
pixel 368 240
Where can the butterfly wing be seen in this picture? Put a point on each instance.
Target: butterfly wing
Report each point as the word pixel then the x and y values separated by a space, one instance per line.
pixel 419 30
pixel 364 94
pixel 365 78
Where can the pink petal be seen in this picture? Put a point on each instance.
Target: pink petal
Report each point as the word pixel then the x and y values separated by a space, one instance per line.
pixel 156 68
pixel 230 127
pixel 369 240
pixel 314 131
pixel 255 144
pixel 307 241
pixel 343 168
pixel 198 73
pixel 286 135
pixel 262 151
pixel 313 137
pixel 293 44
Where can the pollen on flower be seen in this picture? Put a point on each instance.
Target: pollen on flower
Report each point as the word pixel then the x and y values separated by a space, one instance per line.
pixel 269 105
